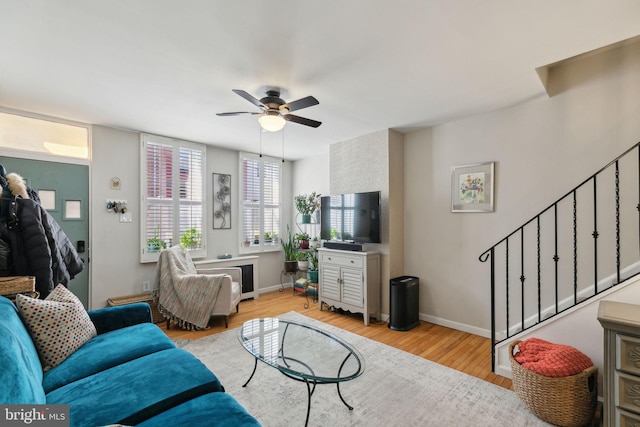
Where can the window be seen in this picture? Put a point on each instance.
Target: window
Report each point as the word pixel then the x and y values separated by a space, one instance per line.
pixel 172 217
pixel 260 203
pixel 38 134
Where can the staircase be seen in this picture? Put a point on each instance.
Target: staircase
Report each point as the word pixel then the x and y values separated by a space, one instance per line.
pixel 581 248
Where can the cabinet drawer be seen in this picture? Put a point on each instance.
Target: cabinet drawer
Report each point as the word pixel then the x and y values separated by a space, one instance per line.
pixel 628 354
pixel 342 260
pixel 628 388
pixel 626 419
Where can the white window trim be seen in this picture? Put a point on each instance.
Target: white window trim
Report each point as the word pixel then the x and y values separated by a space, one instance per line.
pixel 262 247
pixel 145 256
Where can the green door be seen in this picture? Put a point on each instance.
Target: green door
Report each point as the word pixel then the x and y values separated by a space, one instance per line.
pixel 64 190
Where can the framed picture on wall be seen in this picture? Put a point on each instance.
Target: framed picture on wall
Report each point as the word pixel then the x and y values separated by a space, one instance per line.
pixel 221 201
pixel 472 188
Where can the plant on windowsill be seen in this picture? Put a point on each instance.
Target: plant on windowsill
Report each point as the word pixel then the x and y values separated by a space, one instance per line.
pixel 155 244
pixel 306 205
pixel 270 236
pixel 191 238
pixel 289 249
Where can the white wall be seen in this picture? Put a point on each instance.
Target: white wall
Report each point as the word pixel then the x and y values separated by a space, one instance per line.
pixel 115 258
pixel 309 175
pixel 542 149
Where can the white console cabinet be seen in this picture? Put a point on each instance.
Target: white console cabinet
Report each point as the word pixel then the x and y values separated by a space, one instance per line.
pixel 350 280
pixel 621 323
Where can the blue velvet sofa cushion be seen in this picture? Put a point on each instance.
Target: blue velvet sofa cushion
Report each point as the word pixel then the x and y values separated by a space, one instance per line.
pixel 112 395
pixel 106 351
pixel 212 409
pixel 20 370
pixel 112 318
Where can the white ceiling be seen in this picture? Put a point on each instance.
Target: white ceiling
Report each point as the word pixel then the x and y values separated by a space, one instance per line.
pixel 168 66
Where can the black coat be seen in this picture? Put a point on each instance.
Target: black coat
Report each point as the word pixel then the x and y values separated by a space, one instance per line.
pixel 39 246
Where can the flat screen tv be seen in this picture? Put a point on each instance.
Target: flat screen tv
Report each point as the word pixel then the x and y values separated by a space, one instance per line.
pixel 353 217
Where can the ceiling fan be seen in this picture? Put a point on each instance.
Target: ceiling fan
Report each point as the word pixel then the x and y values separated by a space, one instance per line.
pixel 275 111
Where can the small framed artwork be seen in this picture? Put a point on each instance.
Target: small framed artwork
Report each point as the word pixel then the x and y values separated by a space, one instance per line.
pixel 221 201
pixel 472 188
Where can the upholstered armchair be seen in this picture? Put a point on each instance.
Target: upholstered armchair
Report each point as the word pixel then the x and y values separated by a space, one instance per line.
pixel 230 292
pixel 190 296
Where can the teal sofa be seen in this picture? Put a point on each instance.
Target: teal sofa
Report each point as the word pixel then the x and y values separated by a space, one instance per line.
pixel 131 373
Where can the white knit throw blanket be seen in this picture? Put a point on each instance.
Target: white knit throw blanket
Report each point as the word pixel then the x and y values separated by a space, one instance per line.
pixel 185 297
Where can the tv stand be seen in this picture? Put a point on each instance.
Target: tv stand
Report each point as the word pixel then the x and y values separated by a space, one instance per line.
pixel 350 280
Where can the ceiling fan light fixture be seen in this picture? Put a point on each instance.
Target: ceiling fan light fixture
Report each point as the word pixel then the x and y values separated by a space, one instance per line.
pixel 271 121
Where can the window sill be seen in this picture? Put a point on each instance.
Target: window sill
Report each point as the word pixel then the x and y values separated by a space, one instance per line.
pixel 258 250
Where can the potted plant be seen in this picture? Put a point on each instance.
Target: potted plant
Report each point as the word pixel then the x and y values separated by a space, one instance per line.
pixel 270 236
pixel 191 238
pixel 306 205
pixel 289 249
pixel 313 265
pixel 303 260
pixel 155 244
pixel 303 240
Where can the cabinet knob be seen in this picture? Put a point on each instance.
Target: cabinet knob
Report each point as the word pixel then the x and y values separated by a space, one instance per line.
pixel 351 261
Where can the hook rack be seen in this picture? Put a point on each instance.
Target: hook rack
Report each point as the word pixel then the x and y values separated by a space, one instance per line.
pixel 117 206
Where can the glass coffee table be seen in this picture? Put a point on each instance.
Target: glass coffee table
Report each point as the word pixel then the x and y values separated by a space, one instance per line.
pixel 301 352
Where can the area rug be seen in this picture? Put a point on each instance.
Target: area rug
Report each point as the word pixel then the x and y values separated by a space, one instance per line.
pixel 396 389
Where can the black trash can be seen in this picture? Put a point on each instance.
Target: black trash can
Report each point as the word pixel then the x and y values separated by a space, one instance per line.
pixel 403 303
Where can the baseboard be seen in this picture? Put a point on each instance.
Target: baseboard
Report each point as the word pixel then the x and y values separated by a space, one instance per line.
pixel 272 288
pixel 455 325
pixel 425 317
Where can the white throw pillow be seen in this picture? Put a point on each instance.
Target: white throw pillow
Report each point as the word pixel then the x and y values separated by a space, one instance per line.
pixel 59 324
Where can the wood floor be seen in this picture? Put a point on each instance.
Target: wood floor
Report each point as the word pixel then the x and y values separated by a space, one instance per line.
pixel 464 352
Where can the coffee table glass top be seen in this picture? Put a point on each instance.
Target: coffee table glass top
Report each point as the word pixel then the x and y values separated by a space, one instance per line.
pixel 301 350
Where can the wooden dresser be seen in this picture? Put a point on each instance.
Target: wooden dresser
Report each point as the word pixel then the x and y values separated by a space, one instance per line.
pixel 621 323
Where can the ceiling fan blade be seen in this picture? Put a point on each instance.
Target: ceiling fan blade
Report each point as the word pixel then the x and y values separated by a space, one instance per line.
pixel 250 98
pixel 301 103
pixel 238 113
pixel 302 120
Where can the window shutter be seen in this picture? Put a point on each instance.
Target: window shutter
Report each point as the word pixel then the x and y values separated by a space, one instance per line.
pixel 260 204
pixel 159 190
pixel 173 202
pixel 271 205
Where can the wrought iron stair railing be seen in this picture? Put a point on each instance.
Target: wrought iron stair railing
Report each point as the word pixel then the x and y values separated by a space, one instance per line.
pixel 581 245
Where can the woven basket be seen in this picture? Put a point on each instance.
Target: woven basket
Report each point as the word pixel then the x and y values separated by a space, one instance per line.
pixel 148 297
pixel 11 285
pixel 563 401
